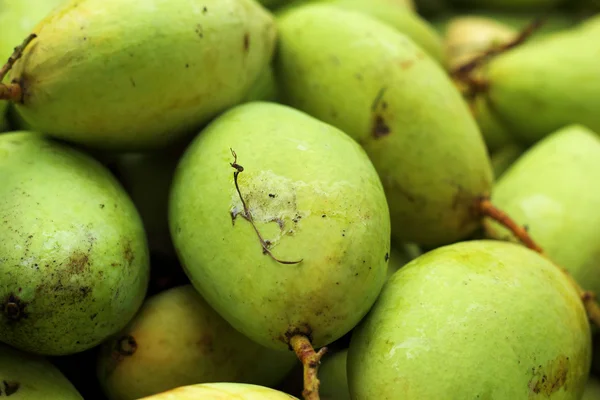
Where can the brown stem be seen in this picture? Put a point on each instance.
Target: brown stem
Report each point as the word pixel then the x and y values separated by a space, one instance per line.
pixel 487 209
pixel 311 361
pixel 12 91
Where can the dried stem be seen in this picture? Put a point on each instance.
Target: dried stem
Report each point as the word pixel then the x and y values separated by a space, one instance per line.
pixel 487 209
pixel 248 215
pixel 310 361
pixel 12 91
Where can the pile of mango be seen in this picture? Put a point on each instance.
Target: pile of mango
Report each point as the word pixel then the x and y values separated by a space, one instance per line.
pixel 318 199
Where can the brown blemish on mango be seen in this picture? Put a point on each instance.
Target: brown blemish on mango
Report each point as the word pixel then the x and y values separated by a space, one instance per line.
pixel 78 262
pixel 549 378
pixel 10 387
pixel 14 308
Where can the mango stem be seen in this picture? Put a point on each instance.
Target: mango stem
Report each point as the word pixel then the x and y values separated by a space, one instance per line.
pixel 311 361
pixel 12 91
pixel 487 209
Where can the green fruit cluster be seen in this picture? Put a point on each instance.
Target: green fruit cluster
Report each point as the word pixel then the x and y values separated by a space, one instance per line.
pixel 318 199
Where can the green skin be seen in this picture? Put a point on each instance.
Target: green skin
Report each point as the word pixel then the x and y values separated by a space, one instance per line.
pixel 222 391
pixel 393 13
pixel 550 190
pixel 535 89
pixel 159 71
pixel 490 319
pixel 264 88
pixel 432 170
pixel 182 341
pixel 592 390
pixel 313 193
pixel 32 377
pixel 333 377
pixel 74 255
pixel 504 158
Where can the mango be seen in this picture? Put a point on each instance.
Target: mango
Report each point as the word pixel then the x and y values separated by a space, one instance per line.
pixel 277 253
pixel 25 376
pixel 545 85
pixel 403 109
pixel 393 13
pixel 159 71
pixel 74 259
pixel 551 190
pixel 179 340
pixel 333 377
pixel 489 320
pixel 221 391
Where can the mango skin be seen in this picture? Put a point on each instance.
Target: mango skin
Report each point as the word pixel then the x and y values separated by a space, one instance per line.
pixel 313 193
pixel 74 257
pixel 222 391
pixel 552 190
pixel 32 377
pixel 535 89
pixel 433 171
pixel 158 72
pixel 182 341
pixel 333 377
pixel 393 13
pixel 499 320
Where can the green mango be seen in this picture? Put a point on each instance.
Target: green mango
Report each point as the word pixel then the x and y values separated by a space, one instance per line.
pixel 550 189
pixel 157 72
pixel 543 86
pixel 495 133
pixel 393 13
pixel 504 158
pixel 375 84
pixel 333 377
pixel 180 341
pixel 489 320
pixel 74 259
pixel 592 389
pixel 222 391
pixel 25 376
pixel 316 201
pixel 509 5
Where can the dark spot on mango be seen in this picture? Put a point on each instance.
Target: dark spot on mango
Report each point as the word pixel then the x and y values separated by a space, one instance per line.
pixel 246 42
pixel 406 64
pixel 14 308
pixel 380 127
pixel 387 257
pixel 549 379
pixel 126 345
pixel 78 262
pixel 11 387
pixel 128 253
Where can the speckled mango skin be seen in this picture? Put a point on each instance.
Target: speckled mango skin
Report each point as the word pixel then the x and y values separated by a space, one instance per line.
pixel 182 341
pixel 482 319
pixel 159 71
pixel 394 13
pixel 552 189
pixel 534 90
pixel 374 83
pixel 313 193
pixel 36 377
pixel 222 391
pixel 73 253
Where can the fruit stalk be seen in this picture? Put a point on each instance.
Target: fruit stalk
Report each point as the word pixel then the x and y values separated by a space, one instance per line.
pixel 12 91
pixel 311 361
pixel 588 298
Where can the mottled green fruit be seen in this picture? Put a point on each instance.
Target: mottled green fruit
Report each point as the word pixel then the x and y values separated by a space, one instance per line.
pixel 181 341
pixel 74 260
pixel 551 190
pixel 500 320
pixel 147 178
pixel 541 87
pixel 25 376
pixel 264 88
pixel 424 143
pixel 514 5
pixel 592 389
pixel 222 391
pixel 333 377
pixel 314 197
pixel 160 70
pixel 504 158
pixel 395 14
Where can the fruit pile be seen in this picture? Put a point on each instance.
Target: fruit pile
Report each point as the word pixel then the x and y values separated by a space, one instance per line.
pixel 334 199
